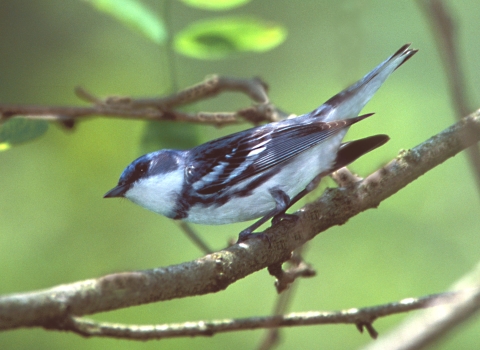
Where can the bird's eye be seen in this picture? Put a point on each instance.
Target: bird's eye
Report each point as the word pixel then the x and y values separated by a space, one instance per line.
pixel 140 169
pixel 190 170
pixel 133 173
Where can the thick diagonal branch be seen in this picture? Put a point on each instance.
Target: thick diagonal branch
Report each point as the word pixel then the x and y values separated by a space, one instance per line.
pixel 215 272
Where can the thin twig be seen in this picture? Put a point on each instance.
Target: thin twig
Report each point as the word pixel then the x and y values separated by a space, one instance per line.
pixel 443 29
pixel 298 268
pixel 170 57
pixel 194 237
pixel 213 85
pixel 160 108
pixel 272 335
pixel 362 316
pixel 61 113
pixel 344 177
pixel 431 325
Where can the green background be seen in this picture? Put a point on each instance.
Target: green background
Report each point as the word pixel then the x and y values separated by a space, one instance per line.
pixel 55 227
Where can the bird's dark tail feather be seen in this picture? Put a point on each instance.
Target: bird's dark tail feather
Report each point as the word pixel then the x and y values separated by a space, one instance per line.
pixel 351 151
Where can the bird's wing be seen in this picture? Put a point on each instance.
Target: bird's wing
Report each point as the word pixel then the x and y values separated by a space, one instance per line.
pixel 225 162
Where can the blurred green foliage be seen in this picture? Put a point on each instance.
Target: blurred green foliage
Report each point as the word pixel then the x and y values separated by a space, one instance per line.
pixel 222 37
pixel 215 5
pixel 17 131
pixel 56 228
pixel 168 135
pixel 136 15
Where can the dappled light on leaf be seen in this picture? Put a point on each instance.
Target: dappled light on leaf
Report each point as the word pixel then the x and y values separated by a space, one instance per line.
pixel 219 38
pixel 135 15
pixel 216 5
pixel 5 146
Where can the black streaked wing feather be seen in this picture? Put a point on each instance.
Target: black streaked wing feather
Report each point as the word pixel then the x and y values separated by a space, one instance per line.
pixel 231 160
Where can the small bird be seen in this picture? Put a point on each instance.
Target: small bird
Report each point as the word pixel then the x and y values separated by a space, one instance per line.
pixel 259 172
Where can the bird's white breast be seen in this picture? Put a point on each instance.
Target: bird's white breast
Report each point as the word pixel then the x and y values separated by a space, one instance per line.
pixel 158 194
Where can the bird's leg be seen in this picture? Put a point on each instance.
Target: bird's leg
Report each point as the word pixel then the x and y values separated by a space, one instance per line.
pixel 292 217
pixel 282 202
pixel 347 153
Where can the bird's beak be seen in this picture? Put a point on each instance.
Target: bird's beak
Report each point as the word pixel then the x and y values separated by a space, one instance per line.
pixel 117 191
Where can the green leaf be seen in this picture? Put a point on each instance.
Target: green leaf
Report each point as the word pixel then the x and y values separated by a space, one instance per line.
pixel 135 15
pixel 19 130
pixel 216 5
pixel 173 135
pixel 222 37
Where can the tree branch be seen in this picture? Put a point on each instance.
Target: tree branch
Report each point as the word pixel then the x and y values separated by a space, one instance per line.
pixel 161 108
pixel 430 325
pixel 53 307
pixel 363 317
pixel 444 31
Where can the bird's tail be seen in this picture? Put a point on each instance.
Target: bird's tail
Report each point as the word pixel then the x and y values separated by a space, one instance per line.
pixel 352 150
pixel 349 102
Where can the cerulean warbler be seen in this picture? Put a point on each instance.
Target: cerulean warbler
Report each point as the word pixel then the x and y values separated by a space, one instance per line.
pixel 259 172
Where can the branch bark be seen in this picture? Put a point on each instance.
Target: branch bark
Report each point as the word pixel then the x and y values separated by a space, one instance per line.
pixel 55 307
pixel 361 318
pixel 162 108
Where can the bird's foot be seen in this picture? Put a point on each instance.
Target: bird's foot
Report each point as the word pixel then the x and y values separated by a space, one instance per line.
pixel 247 234
pixel 284 216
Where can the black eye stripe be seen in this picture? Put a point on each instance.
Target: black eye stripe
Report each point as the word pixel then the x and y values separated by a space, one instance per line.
pixel 140 169
pixel 134 171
